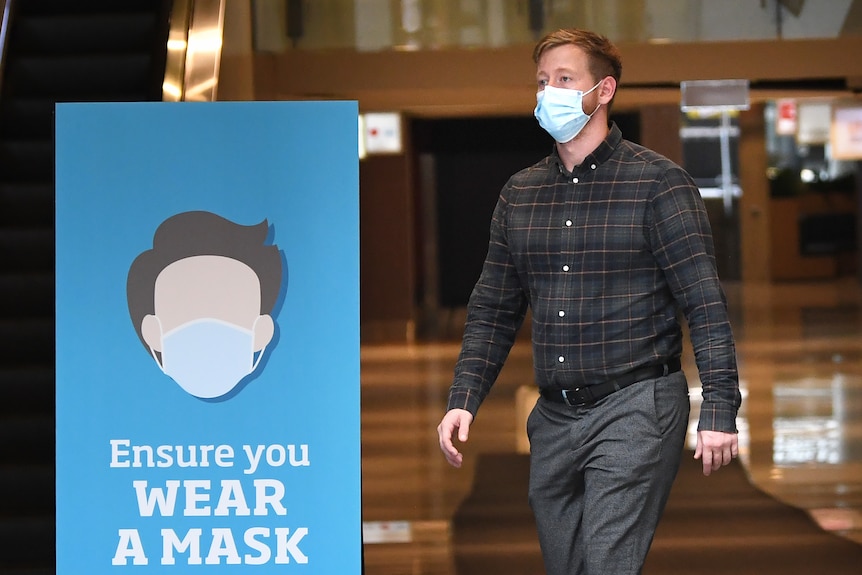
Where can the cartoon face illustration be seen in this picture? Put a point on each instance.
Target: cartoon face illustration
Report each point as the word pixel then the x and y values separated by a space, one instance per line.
pixel 201 300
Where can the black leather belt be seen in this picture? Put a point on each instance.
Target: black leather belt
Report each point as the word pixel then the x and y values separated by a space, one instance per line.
pixel 589 394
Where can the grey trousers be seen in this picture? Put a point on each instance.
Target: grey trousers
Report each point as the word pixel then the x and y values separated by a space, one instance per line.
pixel 600 475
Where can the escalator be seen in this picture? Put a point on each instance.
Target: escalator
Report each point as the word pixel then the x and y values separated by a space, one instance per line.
pixel 56 51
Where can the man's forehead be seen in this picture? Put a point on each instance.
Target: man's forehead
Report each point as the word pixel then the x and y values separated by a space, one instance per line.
pixel 206 264
pixel 207 286
pixel 206 274
pixel 562 58
pixel 562 67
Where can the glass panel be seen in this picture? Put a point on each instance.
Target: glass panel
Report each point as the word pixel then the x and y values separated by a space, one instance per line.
pixel 371 25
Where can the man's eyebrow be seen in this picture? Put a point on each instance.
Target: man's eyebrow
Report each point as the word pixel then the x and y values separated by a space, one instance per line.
pixel 558 70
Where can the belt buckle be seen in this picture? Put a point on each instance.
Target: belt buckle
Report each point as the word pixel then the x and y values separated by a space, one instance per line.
pixel 577 397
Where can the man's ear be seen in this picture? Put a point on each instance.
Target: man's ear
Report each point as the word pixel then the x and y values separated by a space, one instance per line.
pixel 264 329
pixel 607 89
pixel 151 330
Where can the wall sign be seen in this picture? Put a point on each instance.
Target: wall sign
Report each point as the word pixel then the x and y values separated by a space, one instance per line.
pixel 208 338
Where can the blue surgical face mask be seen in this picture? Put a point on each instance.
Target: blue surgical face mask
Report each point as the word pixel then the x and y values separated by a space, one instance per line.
pixel 208 357
pixel 561 112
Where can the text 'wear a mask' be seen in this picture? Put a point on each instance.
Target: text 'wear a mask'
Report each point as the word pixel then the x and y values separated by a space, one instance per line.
pixel 561 113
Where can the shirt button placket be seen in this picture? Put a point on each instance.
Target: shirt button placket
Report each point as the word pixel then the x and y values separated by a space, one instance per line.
pixel 561 359
pixel 562 313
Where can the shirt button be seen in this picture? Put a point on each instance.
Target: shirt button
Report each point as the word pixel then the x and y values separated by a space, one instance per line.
pixel 574 180
pixel 565 268
pixel 562 313
pixel 561 359
pixel 568 223
pixel 592 166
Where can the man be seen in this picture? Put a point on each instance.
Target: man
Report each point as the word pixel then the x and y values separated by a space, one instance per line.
pixel 605 241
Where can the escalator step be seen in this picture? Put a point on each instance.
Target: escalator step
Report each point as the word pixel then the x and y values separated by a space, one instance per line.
pixel 27 440
pixel 26 543
pixel 26 343
pixel 27 119
pixel 83 34
pixel 55 7
pixel 27 161
pixel 33 489
pixel 27 391
pixel 26 205
pixel 26 250
pixel 78 77
pixel 26 296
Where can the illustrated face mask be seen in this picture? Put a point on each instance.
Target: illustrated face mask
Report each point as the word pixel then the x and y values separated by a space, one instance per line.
pixel 208 357
pixel 561 113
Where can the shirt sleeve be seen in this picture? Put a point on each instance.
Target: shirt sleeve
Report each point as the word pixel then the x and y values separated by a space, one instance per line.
pixel 495 312
pixel 682 244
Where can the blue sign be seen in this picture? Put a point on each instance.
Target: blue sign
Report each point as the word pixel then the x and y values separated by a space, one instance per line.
pixel 208 338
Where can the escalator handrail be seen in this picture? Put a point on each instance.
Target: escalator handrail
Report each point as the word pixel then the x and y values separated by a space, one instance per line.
pixel 5 11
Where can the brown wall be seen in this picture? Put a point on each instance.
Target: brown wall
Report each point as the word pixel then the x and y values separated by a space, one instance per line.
pixel 754 212
pixel 786 261
pixel 660 130
pixel 501 80
pixel 236 69
pixel 386 257
pixel 477 82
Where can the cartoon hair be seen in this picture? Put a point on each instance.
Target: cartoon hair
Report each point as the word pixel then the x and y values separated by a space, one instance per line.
pixel 199 233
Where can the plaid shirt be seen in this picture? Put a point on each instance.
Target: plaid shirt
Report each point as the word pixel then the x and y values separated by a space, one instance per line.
pixel 604 257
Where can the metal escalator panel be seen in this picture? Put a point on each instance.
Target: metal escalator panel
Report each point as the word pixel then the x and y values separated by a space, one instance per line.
pixel 194 51
pixel 5 11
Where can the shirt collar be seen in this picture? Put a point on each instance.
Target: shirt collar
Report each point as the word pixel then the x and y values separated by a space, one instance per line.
pixel 600 155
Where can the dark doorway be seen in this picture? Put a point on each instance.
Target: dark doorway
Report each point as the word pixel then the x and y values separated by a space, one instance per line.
pixel 462 164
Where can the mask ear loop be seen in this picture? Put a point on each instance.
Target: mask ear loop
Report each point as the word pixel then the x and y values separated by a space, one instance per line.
pixel 262 350
pixel 598 104
pixel 599 83
pixel 152 352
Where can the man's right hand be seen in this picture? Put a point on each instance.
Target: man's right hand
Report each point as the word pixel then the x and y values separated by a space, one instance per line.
pixel 459 419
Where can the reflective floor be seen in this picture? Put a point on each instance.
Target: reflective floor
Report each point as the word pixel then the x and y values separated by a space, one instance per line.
pixel 800 358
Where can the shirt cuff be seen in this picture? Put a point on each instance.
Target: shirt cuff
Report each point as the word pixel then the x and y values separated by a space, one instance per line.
pixel 462 398
pixel 717 417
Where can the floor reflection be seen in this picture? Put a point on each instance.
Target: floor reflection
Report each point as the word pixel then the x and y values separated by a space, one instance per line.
pixel 807 426
pixel 800 353
pixel 800 360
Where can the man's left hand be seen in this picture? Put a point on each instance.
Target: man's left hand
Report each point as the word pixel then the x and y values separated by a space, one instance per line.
pixel 716 448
